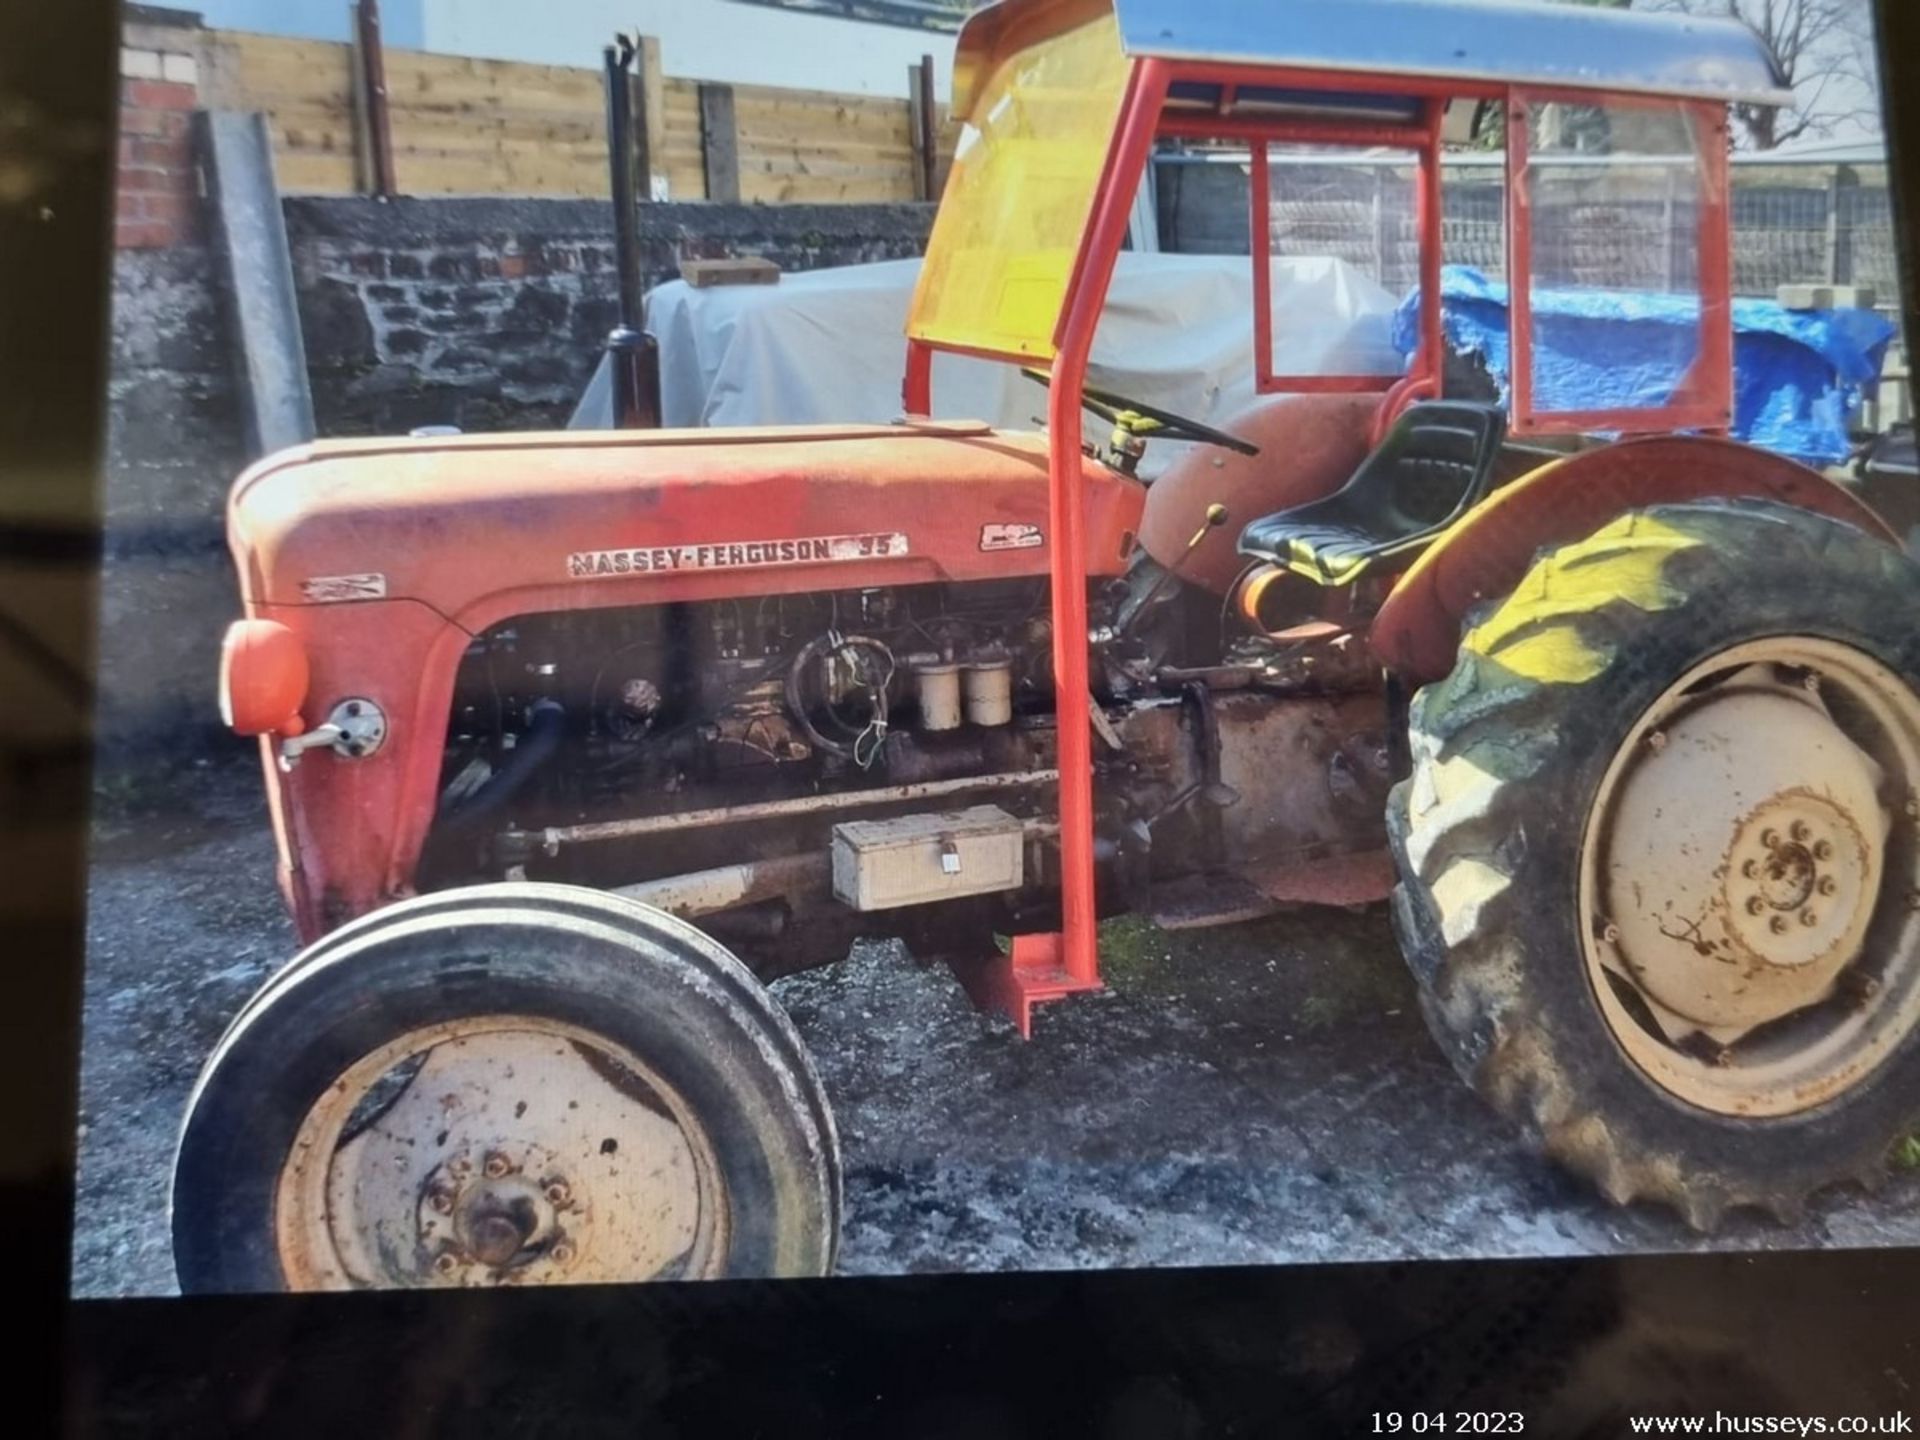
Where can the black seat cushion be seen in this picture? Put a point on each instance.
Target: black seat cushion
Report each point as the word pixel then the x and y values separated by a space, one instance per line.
pixel 1432 467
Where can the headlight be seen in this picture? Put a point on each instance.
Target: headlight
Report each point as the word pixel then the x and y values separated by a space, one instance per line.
pixel 263 678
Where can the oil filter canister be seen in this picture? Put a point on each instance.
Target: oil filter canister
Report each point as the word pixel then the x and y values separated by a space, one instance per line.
pixel 989 692
pixel 939 696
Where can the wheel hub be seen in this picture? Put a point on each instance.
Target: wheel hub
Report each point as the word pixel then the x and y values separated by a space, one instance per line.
pixel 1801 881
pixel 518 1151
pixel 1744 858
pixel 1750 877
pixel 480 1214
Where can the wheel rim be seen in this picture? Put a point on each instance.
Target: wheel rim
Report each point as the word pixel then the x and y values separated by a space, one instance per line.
pixel 1750 878
pixel 495 1150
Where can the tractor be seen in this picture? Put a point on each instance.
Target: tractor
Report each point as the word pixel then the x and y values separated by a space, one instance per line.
pixel 572 741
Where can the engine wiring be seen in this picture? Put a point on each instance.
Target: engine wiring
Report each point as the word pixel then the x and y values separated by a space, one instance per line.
pixel 750 691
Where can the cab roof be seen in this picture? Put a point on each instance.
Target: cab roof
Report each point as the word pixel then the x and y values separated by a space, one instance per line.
pixel 1499 41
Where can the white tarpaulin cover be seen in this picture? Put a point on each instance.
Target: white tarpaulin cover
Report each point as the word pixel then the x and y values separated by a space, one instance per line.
pixel 829 345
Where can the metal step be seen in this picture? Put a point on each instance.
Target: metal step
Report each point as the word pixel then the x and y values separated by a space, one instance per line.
pixel 1202 900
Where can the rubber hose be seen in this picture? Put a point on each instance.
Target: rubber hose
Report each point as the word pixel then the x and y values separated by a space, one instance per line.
pixel 546 728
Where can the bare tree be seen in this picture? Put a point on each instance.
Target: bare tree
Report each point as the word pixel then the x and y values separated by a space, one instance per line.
pixel 1825 51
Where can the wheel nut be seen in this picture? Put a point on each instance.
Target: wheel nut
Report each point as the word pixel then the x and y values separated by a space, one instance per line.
pixel 445 1263
pixel 1800 831
pixel 1828 885
pixel 496 1165
pixel 1807 917
pixel 558 1192
pixel 1755 905
pixel 1858 987
pixel 1611 934
pixel 441 1202
pixel 1770 839
pixel 1823 850
pixel 1778 924
pixel 562 1253
pixel 1750 869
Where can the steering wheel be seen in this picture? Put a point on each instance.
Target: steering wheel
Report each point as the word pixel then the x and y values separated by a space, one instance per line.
pixel 1141 421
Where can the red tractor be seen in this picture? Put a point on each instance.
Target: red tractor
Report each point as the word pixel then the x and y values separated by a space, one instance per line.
pixel 573 740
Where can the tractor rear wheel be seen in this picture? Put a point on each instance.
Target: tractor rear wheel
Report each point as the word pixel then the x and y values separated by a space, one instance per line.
pixel 508 1084
pixel 1659 860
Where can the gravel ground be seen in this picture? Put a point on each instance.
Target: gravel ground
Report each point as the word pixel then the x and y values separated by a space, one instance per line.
pixel 1261 1094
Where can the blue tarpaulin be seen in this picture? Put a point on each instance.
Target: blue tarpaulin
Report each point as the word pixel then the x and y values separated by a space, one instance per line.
pixel 1797 373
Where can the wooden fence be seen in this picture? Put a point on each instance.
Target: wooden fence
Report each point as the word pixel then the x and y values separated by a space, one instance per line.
pixel 492 127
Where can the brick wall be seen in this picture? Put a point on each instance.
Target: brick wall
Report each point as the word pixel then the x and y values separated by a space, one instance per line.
pixel 157 197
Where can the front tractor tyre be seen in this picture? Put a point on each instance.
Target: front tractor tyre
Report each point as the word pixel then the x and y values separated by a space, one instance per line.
pixel 509 1084
pixel 1658 861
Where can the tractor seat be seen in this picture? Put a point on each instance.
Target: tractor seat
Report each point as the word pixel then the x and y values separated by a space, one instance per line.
pixel 1433 466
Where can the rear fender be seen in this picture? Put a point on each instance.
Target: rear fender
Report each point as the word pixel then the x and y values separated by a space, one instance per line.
pixel 1485 555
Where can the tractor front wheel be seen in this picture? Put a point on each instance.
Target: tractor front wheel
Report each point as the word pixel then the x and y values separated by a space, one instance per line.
pixel 1659 856
pixel 509 1084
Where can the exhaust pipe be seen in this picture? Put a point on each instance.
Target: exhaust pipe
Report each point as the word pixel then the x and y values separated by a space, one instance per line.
pixel 633 356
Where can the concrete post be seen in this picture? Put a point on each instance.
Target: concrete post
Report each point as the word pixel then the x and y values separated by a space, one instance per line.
pixel 250 239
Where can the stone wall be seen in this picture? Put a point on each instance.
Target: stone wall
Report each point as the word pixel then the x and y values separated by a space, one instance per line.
pixel 490 314
pixel 174 444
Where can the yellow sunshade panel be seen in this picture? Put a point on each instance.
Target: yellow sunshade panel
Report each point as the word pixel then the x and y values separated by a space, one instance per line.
pixel 1020 194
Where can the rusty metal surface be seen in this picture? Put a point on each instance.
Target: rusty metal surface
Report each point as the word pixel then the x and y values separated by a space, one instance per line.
pixel 1199 902
pixel 727 887
pixel 1300 778
pixel 554 837
pixel 1360 877
pixel 519 1152
pixel 371 56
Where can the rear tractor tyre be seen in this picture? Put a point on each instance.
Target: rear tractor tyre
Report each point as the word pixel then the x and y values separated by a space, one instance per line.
pixel 508 1084
pixel 1659 862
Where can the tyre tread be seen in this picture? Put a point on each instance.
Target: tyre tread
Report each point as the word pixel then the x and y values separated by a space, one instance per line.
pixel 1458 829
